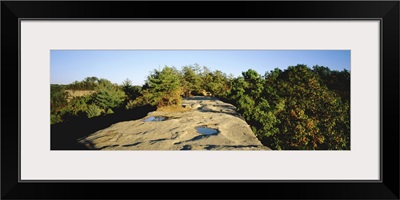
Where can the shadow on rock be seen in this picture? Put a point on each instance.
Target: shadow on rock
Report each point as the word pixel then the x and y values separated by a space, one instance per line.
pixel 211 147
pixel 229 111
pixel 200 98
pixel 64 135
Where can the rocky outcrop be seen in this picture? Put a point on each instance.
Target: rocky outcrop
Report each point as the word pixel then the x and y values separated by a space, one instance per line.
pixel 177 130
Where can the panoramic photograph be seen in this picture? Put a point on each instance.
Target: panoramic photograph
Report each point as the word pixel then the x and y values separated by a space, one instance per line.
pixel 200 100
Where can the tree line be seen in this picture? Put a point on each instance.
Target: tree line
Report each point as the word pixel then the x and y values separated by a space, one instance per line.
pixel 296 108
pixel 107 96
pixel 162 88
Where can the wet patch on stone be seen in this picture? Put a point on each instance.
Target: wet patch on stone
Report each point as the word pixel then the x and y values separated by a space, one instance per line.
pixel 156 119
pixel 206 131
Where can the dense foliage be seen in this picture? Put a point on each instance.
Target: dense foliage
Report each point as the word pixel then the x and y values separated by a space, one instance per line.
pixel 294 109
pixel 297 108
pixel 58 101
pixel 106 97
pixel 89 83
pixel 166 87
pixel 191 80
pixel 132 91
pixel 163 88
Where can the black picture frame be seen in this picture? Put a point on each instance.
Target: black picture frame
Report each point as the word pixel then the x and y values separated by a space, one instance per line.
pixel 386 11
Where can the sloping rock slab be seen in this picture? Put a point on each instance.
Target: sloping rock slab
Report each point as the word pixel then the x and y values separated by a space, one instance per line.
pixel 178 131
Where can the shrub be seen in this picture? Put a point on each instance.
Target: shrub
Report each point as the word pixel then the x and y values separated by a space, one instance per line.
pixel 93 111
pixel 110 111
pixel 108 95
pixel 131 104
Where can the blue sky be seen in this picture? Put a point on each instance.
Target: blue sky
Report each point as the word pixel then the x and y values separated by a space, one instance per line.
pixel 67 66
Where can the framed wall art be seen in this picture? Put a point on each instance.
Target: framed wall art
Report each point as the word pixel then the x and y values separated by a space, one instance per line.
pixel 299 96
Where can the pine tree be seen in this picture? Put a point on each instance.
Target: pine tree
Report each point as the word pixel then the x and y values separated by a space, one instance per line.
pixel 163 88
pixel 108 95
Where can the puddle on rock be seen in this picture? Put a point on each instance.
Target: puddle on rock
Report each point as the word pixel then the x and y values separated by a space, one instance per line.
pixel 156 119
pixel 206 131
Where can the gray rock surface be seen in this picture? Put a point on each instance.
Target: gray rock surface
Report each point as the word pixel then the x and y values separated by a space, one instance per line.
pixel 178 131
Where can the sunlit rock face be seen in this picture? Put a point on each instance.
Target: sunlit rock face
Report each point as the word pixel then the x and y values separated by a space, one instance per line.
pixel 206 123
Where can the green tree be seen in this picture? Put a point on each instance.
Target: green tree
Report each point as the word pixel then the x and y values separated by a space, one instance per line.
pixel 90 83
pixel 77 105
pixel 219 84
pixel 132 91
pixel 313 116
pixel 206 78
pixel 58 103
pixel 251 83
pixel 191 80
pixel 249 95
pixel 292 109
pixel 58 97
pixel 108 95
pixel 163 88
pixel 338 81
pixel 93 111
